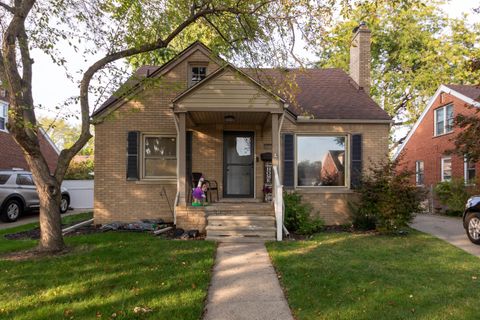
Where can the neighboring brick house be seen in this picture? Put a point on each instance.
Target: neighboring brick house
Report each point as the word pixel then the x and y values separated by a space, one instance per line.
pixel 425 148
pixel 11 155
pixel 205 115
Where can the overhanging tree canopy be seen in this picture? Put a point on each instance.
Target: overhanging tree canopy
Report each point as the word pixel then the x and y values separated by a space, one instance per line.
pixel 123 29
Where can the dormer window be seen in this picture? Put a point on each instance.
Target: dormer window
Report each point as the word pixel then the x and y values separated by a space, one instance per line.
pixel 197 74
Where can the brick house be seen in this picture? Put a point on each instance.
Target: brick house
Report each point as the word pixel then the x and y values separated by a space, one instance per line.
pixel 198 113
pixel 425 148
pixel 11 155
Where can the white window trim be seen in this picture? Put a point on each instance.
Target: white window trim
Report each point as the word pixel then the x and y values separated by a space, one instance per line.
pixel 142 157
pixel 444 111
pixel 4 104
pixel 465 172
pixel 442 165
pixel 417 174
pixel 347 160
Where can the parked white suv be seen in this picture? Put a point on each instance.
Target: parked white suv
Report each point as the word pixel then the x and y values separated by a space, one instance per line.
pixel 18 194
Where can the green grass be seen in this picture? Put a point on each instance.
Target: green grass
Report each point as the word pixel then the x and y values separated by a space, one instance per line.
pixel 107 274
pixel 366 276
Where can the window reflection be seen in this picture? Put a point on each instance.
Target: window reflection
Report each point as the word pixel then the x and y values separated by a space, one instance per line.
pixel 320 160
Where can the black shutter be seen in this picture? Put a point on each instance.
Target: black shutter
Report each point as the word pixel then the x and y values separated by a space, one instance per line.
pixel 288 160
pixel 356 166
pixel 132 155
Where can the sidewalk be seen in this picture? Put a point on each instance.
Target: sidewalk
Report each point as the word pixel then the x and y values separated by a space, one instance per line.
pixel 245 285
pixel 33 217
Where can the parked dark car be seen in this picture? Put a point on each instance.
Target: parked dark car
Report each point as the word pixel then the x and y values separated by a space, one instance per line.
pixel 18 195
pixel 471 219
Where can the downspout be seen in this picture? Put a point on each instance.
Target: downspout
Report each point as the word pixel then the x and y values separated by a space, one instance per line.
pixel 177 195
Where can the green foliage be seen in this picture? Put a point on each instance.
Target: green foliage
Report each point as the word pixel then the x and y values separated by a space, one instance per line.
pixel 452 194
pixel 64 134
pixel 467 141
pixel 387 200
pixel 415 48
pixel 80 170
pixel 297 215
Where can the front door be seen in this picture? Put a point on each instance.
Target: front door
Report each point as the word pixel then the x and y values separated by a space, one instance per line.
pixel 238 162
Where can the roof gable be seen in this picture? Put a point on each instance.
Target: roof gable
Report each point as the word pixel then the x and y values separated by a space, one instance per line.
pixel 232 84
pixel 443 88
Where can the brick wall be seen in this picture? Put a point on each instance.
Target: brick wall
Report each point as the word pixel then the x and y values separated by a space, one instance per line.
pixel 424 146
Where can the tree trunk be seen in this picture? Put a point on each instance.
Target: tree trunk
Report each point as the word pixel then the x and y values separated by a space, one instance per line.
pixel 50 195
pixel 50 220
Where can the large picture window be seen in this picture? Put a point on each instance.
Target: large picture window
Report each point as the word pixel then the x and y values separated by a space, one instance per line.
pixel 160 157
pixel 444 120
pixel 321 160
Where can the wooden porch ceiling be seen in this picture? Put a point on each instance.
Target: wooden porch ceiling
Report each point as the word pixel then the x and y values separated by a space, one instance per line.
pixel 216 117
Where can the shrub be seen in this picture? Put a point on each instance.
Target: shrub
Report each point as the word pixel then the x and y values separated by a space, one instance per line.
pixel 297 215
pixel 387 200
pixel 452 194
pixel 80 170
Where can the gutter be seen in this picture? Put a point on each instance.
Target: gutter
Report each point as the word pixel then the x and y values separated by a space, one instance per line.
pixel 301 119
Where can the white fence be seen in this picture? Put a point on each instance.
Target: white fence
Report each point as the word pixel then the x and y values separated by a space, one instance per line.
pixel 81 193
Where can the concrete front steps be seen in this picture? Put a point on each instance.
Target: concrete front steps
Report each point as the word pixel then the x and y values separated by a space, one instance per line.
pixel 240 222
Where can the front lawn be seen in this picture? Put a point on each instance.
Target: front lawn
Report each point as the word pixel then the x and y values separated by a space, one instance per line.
pixel 366 276
pixel 107 276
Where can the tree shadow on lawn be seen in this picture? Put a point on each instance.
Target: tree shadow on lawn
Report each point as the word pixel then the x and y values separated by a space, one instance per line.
pixel 119 273
pixel 345 276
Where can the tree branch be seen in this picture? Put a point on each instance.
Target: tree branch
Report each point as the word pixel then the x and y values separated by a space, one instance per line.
pixel 197 12
pixel 7 7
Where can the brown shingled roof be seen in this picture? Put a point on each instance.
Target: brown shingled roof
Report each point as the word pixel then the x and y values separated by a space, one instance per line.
pixel 323 93
pixel 135 80
pixel 471 91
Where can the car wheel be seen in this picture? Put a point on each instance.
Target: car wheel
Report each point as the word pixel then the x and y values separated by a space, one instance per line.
pixel 64 203
pixel 473 227
pixel 11 211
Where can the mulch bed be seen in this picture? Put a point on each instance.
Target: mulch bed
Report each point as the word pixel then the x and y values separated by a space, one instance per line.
pixel 34 234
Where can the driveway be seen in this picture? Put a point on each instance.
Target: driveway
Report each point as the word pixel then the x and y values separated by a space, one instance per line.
pixel 30 217
pixel 449 229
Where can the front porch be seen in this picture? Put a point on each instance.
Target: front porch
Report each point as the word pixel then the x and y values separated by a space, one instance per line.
pixel 226 147
pixel 224 124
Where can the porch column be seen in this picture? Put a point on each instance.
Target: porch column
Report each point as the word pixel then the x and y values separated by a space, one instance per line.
pixel 182 168
pixel 275 140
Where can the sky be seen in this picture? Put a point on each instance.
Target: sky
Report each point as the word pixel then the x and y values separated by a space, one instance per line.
pixel 51 87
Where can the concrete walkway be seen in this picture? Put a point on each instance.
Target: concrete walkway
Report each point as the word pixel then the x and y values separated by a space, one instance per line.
pixel 449 229
pixel 30 217
pixel 245 285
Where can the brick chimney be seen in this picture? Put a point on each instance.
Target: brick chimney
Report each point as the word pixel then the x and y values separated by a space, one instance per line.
pixel 360 57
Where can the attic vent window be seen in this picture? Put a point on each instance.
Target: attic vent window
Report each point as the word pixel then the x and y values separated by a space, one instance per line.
pixel 197 74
